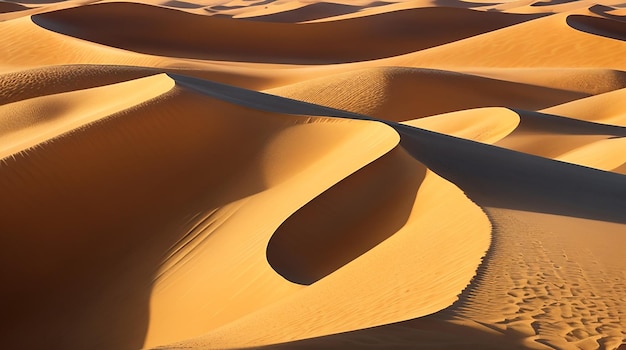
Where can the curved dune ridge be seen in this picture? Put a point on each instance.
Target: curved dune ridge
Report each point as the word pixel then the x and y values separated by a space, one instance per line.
pixel 154 30
pixel 312 174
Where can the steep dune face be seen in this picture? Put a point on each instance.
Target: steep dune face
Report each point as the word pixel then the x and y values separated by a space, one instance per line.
pixel 605 27
pixel 308 174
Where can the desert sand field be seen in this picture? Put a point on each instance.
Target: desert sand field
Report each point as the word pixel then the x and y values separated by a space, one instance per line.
pixel 273 174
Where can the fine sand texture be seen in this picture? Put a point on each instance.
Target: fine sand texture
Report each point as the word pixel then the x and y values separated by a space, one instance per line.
pixel 273 174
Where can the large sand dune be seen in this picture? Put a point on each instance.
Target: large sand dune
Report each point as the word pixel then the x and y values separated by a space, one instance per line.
pixel 275 174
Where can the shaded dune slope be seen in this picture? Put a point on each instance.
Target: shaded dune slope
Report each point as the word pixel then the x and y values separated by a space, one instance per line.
pixel 168 32
pixel 535 178
pixel 605 27
pixel 593 145
pixel 11 7
pixel 309 12
pixel 304 250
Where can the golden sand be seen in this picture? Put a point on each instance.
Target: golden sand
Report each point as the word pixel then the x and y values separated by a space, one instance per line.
pixel 313 175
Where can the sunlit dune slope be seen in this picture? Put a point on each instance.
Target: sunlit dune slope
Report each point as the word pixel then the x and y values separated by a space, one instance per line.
pixel 30 122
pixel 607 108
pixel 399 94
pixel 363 294
pixel 487 125
pixel 571 140
pixel 26 84
pixel 586 80
pixel 553 41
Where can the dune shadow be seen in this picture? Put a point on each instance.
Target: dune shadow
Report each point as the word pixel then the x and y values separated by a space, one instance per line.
pixel 608 28
pixel 433 331
pixel 551 2
pixel 225 8
pixel 604 12
pixel 181 4
pixel 308 13
pixel 418 334
pixel 497 177
pixel 489 175
pixel 6 7
pixel 548 123
pixel 346 220
pixel 465 4
pixel 262 2
pixel 40 2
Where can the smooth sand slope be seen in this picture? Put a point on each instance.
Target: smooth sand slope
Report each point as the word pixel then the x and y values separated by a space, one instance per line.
pixel 222 174
pixel 562 40
pixel 391 93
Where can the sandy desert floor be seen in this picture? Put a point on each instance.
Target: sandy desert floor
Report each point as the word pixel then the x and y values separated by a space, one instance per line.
pixel 226 174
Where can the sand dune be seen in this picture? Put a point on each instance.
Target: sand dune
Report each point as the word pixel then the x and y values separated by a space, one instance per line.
pixel 568 140
pixel 487 125
pixel 585 80
pixel 544 42
pixel 37 120
pixel 26 84
pixel 222 174
pixel 606 108
pixel 179 34
pixel 390 93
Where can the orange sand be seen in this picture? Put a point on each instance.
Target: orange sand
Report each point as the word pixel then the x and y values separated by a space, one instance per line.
pixel 313 174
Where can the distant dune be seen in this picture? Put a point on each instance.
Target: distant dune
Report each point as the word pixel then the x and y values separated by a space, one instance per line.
pixel 276 174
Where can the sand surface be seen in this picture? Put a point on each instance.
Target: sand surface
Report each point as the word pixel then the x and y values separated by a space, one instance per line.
pixel 226 174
